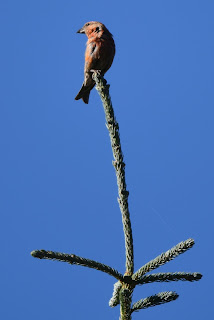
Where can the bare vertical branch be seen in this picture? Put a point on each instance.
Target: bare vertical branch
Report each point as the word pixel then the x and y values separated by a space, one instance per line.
pixel 119 165
pixel 125 304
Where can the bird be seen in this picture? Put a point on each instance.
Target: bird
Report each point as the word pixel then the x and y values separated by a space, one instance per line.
pixel 99 55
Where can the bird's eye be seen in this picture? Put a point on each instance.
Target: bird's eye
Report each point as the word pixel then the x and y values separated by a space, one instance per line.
pixel 97 29
pixel 87 24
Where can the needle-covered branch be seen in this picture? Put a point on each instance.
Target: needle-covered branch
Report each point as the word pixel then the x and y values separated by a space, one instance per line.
pixel 119 165
pixel 163 258
pixel 73 259
pixel 166 277
pixel 115 299
pixel 160 298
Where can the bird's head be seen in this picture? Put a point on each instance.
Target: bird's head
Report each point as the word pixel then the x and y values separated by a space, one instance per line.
pixel 93 28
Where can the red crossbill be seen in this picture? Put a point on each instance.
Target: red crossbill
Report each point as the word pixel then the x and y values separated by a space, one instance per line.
pixel 99 55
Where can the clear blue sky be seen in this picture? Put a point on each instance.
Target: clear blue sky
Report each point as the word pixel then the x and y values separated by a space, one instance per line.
pixel 57 185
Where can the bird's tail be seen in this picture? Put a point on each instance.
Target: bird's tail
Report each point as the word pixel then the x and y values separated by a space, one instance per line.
pixel 84 93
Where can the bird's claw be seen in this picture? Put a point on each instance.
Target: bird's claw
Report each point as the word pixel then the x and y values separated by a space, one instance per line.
pixel 98 72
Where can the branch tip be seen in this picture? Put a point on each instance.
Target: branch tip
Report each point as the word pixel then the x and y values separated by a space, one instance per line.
pixel 157 299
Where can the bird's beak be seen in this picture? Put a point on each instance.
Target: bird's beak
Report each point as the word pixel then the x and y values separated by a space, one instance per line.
pixel 81 30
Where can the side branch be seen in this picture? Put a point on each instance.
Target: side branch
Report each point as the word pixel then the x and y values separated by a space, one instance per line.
pixel 169 276
pixel 164 258
pixel 73 259
pixel 160 298
pixel 125 304
pixel 119 165
pixel 115 299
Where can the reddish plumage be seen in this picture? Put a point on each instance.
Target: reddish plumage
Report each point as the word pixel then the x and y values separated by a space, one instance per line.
pixel 99 55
